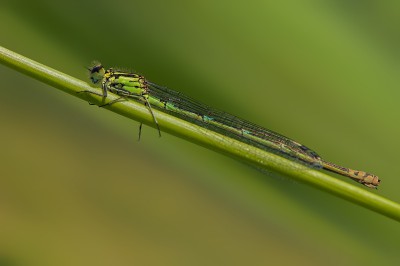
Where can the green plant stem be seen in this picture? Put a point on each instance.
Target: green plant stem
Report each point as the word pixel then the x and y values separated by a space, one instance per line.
pixel 209 139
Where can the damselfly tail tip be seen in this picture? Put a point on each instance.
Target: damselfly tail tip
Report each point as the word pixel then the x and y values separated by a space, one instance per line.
pixel 368 180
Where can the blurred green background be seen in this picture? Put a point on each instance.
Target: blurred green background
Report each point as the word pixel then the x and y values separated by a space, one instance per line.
pixel 325 73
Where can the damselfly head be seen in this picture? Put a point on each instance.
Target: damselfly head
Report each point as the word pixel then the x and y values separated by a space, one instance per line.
pixel 96 72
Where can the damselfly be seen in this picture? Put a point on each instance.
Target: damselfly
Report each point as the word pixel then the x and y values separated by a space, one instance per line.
pixel 134 86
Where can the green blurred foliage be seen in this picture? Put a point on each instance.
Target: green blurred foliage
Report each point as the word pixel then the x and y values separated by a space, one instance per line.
pixel 322 72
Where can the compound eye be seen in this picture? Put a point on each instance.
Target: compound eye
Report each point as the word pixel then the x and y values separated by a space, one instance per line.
pixel 96 72
pixel 96 69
